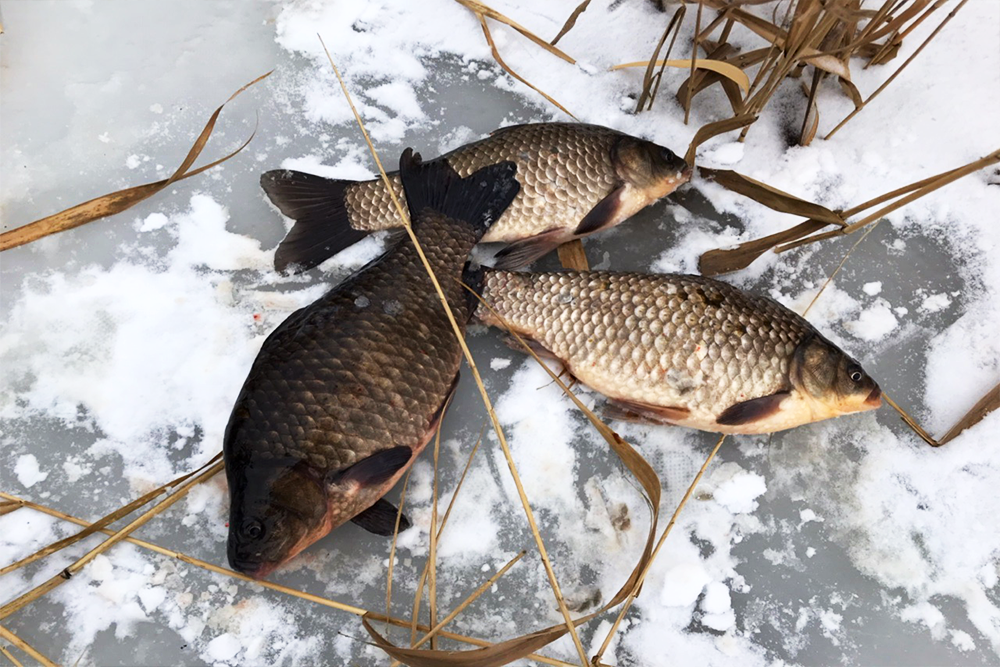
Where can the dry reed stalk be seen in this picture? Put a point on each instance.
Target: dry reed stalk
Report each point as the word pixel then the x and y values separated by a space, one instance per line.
pixel 893 76
pixel 432 556
pixel 543 553
pixel 10 657
pixel 910 421
pixel 418 596
pixel 465 603
pixel 104 521
pixel 116 202
pixel 9 506
pixel 651 81
pixel 392 548
pixel 573 256
pixel 694 57
pixel 326 602
pixel 26 647
pixel 649 563
pixel 833 274
pixel 69 571
pixel 571 21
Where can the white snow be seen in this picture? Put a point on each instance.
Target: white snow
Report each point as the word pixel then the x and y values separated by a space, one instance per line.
pixel 28 472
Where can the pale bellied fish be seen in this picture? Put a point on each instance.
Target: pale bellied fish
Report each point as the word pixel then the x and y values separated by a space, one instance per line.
pixel 575 179
pixel 679 349
pixel 347 391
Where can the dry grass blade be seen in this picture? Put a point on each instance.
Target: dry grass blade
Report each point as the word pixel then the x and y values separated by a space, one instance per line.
pixel 571 21
pixel 529 514
pixel 104 521
pixel 725 260
pixel 649 563
pixel 116 202
pixel 910 421
pixel 69 571
pixel 26 647
pixel 727 70
pixel 706 132
pixel 432 556
pixel 10 657
pixel 694 59
pixel 481 10
pixel 500 61
pixel 893 76
pixel 326 602
pixel 573 256
pixel 837 270
pixel 985 405
pixel 392 548
pixel 9 506
pixel 650 80
pixel 772 198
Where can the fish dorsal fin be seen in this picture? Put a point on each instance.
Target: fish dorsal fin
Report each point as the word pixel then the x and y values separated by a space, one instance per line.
pixel 322 227
pixel 645 413
pixel 478 199
pixel 380 518
pixel 756 409
pixel 376 469
pixel 604 214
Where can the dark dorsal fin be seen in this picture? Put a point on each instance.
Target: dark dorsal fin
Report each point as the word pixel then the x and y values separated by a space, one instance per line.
pixel 478 199
pixel 753 410
pixel 380 518
pixel 322 226
pixel 376 469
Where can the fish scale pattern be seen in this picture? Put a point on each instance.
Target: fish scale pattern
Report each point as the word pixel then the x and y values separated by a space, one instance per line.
pixel 666 340
pixel 364 368
pixel 564 169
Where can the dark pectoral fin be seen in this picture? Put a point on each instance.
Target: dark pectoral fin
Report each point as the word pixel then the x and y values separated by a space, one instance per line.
pixel 376 469
pixel 753 410
pixel 603 215
pixel 645 413
pixel 322 227
pixel 380 519
pixel 524 252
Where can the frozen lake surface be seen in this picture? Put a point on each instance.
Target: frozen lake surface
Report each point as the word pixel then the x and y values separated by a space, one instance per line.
pixel 123 344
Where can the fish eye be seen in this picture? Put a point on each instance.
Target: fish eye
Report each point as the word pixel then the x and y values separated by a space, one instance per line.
pixel 667 154
pixel 855 374
pixel 252 529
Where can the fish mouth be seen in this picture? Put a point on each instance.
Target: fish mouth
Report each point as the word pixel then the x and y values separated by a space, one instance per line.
pixel 686 173
pixel 874 399
pixel 255 569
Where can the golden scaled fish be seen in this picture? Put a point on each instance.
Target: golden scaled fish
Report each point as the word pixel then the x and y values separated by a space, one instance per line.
pixel 347 391
pixel 684 350
pixel 575 179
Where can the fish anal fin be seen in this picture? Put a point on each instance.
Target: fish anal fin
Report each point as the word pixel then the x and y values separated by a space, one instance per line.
pixel 375 469
pixel 753 410
pixel 380 519
pixel 604 214
pixel 322 226
pixel 525 251
pixel 644 413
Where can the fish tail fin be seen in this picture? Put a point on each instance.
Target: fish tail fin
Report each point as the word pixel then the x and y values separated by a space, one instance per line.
pixel 478 199
pixel 322 227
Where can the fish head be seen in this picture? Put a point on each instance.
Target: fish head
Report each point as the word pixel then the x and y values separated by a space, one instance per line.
pixel 276 511
pixel 652 169
pixel 830 380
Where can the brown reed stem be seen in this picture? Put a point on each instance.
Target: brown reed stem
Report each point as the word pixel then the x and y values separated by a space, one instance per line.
pixel 26 647
pixel 392 548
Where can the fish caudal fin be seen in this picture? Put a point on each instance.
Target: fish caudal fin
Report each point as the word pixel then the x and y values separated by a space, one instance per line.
pixel 322 227
pixel 479 199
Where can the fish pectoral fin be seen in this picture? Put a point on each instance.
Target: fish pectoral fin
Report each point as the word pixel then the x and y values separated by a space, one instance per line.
pixel 543 352
pixel 380 518
pixel 376 469
pixel 525 251
pixel 753 410
pixel 604 214
pixel 322 227
pixel 644 413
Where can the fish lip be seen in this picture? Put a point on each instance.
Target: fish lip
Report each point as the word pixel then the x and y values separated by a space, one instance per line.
pixel 874 399
pixel 687 172
pixel 252 569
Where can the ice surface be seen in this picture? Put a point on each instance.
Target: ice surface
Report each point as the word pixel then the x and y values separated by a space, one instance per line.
pixel 124 342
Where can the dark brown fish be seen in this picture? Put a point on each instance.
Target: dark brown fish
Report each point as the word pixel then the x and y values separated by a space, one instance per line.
pixel 575 179
pixel 347 391
pixel 682 350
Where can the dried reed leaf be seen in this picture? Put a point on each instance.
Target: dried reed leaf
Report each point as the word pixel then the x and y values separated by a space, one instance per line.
pixel 116 202
pixel 771 197
pixel 395 537
pixel 985 405
pixel 651 80
pixel 432 556
pixel 481 10
pixel 706 132
pixel 726 260
pixel 326 602
pixel 104 521
pixel 8 506
pixel 721 67
pixel 3 649
pixel 851 91
pixel 26 647
pixel 515 476
pixel 571 21
pixel 573 256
